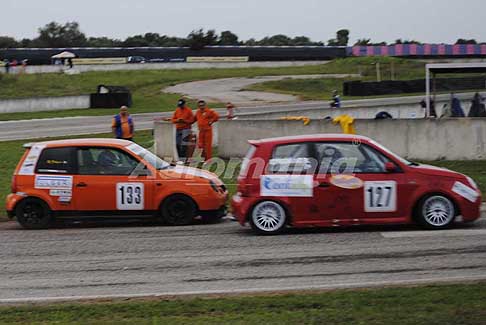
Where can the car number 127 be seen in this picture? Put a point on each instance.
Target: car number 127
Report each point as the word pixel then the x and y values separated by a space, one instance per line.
pixel 129 196
pixel 380 196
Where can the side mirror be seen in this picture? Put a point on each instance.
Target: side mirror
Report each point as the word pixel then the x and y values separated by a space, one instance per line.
pixel 390 167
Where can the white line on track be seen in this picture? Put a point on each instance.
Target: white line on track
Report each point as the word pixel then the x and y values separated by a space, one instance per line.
pixel 352 285
pixel 441 233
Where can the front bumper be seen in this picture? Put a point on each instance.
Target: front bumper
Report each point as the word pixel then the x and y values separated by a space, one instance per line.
pixel 241 207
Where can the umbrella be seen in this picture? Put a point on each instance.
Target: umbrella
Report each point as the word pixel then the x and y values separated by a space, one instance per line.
pixel 64 55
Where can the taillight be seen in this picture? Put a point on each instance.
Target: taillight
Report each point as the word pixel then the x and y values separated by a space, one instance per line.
pixel 13 185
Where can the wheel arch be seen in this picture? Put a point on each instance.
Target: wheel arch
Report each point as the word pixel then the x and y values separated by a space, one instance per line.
pixel 282 203
pixel 167 197
pixel 420 198
pixel 32 197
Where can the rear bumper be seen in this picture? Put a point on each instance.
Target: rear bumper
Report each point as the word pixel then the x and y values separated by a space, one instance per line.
pixel 11 202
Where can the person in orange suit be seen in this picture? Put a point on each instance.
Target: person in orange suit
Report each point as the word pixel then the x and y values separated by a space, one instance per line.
pixel 183 118
pixel 205 118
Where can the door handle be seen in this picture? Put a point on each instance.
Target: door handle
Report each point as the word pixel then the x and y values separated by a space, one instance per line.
pixel 324 185
pixel 81 185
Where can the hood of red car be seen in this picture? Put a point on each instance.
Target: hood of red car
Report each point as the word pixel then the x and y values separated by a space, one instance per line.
pixel 436 171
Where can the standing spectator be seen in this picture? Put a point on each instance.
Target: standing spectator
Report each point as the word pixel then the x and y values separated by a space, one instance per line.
pixel 230 109
pixel 432 113
pixel 70 63
pixel 122 125
pixel 183 119
pixel 477 107
pixel 456 108
pixel 7 66
pixel 205 118
pixel 336 100
pixel 24 66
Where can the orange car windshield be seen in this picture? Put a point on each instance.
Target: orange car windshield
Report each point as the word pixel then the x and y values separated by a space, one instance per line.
pixel 148 156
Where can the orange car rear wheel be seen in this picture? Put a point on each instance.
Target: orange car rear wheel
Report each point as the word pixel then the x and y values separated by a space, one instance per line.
pixel 33 213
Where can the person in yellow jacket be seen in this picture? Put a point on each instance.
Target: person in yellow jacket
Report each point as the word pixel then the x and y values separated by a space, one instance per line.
pixel 346 123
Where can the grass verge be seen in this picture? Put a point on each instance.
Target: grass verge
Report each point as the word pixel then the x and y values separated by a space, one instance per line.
pixel 444 304
pixel 146 86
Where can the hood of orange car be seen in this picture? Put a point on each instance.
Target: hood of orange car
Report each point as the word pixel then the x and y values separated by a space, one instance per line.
pixel 184 172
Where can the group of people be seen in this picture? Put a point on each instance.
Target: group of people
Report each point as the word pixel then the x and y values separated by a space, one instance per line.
pixel 14 63
pixel 183 118
pixel 454 108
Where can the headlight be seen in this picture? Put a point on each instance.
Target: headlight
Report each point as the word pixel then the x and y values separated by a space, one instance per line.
pixel 214 186
pixel 472 183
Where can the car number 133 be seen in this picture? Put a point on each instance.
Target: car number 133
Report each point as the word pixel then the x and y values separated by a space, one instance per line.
pixel 129 196
pixel 380 196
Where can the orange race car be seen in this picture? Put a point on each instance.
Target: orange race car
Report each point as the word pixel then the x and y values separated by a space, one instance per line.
pixel 104 177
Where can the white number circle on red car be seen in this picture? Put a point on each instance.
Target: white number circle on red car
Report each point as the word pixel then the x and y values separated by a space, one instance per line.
pixel 130 196
pixel 380 196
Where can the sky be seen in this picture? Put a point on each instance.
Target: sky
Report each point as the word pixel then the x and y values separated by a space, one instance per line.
pixel 423 20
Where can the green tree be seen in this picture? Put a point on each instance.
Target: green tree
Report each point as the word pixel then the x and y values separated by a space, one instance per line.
pixel 342 37
pixel 466 41
pixel 57 35
pixel 8 42
pixel 135 41
pixel 228 38
pixel 363 42
pixel 198 39
pixel 103 42
pixel 276 40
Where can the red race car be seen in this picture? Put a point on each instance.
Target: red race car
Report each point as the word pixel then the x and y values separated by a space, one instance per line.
pixel 345 180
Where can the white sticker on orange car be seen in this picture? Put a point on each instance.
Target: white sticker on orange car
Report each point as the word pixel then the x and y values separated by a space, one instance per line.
pixel 28 166
pixel 465 191
pixel 380 196
pixel 130 196
pixel 53 182
pixel 65 199
pixel 63 193
pixel 287 185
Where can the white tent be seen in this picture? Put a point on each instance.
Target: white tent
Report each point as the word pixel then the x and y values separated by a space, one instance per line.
pixel 64 55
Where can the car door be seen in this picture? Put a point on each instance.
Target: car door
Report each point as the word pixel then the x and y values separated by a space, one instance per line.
pixel 290 176
pixel 106 182
pixel 355 185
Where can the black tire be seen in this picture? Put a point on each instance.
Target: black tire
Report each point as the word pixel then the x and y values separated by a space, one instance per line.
pixel 33 213
pixel 268 218
pixel 178 210
pixel 435 212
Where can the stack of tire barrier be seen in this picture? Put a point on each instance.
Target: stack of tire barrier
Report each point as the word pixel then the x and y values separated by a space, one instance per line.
pixel 390 87
pixel 111 97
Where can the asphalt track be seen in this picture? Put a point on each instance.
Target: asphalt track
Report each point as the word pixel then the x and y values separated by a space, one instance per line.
pixel 127 259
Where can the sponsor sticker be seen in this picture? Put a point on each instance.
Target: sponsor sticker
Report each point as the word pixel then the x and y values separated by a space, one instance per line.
pixel 30 161
pixel 65 199
pixel 287 185
pixel 465 191
pixel 53 182
pixel 64 193
pixel 348 182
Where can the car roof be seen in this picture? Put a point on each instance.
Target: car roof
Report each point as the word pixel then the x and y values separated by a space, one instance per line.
pixel 82 142
pixel 311 138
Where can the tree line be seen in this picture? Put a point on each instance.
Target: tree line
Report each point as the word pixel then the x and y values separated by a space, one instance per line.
pixel 70 35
